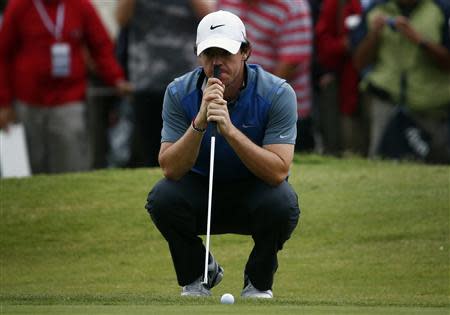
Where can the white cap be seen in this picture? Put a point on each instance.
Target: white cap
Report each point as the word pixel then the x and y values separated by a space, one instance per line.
pixel 220 29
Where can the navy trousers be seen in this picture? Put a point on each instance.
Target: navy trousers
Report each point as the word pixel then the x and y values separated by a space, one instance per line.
pixel 269 214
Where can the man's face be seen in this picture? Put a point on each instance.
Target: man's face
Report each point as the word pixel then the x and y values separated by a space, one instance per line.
pixel 231 66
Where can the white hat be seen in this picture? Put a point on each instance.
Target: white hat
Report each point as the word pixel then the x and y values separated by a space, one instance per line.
pixel 220 29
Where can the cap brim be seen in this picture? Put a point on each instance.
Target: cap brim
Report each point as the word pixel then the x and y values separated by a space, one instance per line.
pixel 232 46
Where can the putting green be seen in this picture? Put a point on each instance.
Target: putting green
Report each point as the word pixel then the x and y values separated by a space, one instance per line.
pixel 373 239
pixel 216 309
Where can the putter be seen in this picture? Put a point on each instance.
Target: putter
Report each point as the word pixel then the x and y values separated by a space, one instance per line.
pixel 210 188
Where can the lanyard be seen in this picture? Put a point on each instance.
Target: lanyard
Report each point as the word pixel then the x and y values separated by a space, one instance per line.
pixel 54 29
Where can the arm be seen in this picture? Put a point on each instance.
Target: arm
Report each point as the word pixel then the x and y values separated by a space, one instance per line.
pixel 177 158
pixel 437 52
pixel 271 162
pixel 295 43
pixel 366 51
pixel 101 50
pixel 7 115
pixel 124 11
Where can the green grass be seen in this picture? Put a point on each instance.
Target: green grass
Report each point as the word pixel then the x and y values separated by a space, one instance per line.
pixel 373 239
pixel 219 309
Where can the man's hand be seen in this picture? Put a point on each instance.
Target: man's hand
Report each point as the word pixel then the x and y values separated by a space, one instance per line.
pixel 378 23
pixel 405 28
pixel 124 88
pixel 212 102
pixel 436 51
pixel 7 116
pixel 177 158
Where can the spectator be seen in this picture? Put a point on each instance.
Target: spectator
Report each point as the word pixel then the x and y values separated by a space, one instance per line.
pixel 161 33
pixel 43 71
pixel 343 128
pixel 255 115
pixel 121 115
pixel 408 39
pixel 282 37
pixel 316 73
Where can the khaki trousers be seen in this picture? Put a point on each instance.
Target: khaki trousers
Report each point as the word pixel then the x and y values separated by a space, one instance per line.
pixel 56 137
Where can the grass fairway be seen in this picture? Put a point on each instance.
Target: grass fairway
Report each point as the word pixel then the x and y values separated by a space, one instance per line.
pixel 373 239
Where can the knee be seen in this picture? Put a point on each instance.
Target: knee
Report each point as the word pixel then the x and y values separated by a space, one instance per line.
pixel 281 209
pixel 284 203
pixel 283 217
pixel 160 200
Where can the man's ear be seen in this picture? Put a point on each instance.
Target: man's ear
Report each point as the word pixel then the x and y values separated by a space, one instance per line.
pixel 246 53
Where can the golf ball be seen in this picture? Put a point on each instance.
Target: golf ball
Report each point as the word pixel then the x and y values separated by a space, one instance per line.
pixel 227 298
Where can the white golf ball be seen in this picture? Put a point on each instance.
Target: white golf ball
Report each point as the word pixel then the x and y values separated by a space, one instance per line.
pixel 227 298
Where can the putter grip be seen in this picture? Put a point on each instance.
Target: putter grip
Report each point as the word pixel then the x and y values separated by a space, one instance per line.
pixel 216 74
pixel 216 71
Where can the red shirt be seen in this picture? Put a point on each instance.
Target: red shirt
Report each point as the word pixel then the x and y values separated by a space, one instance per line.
pixel 25 61
pixel 333 54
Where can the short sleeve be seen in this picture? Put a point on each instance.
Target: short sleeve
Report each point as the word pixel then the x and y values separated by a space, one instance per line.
pixel 282 118
pixel 175 121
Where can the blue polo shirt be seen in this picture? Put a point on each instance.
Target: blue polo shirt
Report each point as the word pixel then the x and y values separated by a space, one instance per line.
pixel 265 111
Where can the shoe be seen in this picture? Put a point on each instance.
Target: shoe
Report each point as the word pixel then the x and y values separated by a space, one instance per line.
pixel 250 291
pixel 215 273
pixel 196 288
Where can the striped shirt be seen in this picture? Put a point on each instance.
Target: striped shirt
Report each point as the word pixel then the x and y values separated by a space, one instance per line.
pixel 279 30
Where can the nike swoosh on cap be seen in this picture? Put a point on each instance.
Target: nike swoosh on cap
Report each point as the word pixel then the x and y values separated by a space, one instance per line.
pixel 212 27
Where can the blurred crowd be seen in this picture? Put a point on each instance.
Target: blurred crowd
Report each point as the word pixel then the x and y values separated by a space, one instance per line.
pixel 372 77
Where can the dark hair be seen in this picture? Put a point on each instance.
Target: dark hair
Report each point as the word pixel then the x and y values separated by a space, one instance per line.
pixel 246 47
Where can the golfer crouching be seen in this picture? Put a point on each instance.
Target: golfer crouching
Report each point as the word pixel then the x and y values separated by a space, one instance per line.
pixel 255 114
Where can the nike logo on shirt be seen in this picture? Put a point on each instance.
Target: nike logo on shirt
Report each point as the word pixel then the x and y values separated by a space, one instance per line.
pixel 213 27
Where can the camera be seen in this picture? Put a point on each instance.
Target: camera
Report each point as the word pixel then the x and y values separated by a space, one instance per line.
pixel 390 21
